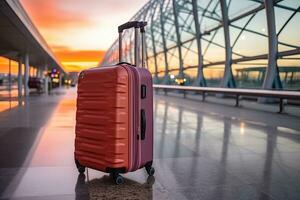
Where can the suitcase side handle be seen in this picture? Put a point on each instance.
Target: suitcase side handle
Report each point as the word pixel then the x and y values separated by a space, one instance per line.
pixel 137 25
pixel 143 124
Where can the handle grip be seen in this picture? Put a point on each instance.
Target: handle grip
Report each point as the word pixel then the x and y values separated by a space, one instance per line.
pixel 143 124
pixel 137 25
pixel 132 24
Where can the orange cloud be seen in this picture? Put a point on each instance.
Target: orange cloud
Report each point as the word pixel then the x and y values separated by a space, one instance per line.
pixel 77 60
pixel 51 14
pixel 68 55
pixel 4 66
pixel 77 30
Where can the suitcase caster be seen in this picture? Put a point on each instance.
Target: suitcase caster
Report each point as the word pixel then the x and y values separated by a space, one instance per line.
pixel 150 170
pixel 150 180
pixel 80 168
pixel 117 178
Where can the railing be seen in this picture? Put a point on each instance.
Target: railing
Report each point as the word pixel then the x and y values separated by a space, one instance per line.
pixel 282 95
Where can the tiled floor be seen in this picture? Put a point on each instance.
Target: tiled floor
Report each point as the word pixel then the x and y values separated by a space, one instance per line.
pixel 202 151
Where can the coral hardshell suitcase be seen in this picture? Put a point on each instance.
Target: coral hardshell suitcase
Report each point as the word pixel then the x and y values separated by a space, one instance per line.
pixel 114 118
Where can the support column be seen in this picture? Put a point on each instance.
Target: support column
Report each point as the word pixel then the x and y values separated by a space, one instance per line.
pixel 41 73
pixel 38 72
pixel 26 74
pixel 272 78
pixel 30 71
pixel 166 77
pixel 200 80
pixel 175 14
pixel 60 78
pixel 46 82
pixel 154 48
pixel 145 42
pixel 20 81
pixel 9 75
pixel 146 54
pixel 228 80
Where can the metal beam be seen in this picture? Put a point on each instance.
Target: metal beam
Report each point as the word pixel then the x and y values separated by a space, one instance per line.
pixel 153 46
pixel 257 9
pixel 228 80
pixel 145 38
pixel 178 41
pixel 287 21
pixel 166 77
pixel 272 79
pixel 245 59
pixel 234 91
pixel 200 76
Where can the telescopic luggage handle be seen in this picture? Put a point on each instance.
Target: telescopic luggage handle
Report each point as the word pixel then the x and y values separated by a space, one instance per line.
pixel 132 24
pixel 137 25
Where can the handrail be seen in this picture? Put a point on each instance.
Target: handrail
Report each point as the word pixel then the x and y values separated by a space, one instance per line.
pixel 237 92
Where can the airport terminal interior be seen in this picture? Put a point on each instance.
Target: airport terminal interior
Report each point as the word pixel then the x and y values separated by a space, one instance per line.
pixel 226 105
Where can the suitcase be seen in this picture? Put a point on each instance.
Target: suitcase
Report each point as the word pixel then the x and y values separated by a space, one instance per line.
pixel 114 117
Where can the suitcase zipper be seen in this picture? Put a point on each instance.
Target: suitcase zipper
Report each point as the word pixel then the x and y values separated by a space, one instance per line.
pixel 132 135
pixel 132 118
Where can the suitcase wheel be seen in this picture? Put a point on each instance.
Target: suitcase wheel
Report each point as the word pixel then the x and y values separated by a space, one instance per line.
pixel 150 170
pixel 117 178
pixel 80 168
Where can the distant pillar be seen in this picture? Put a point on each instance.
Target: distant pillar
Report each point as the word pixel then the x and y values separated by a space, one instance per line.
pixel 154 49
pixel 292 76
pixel 41 72
pixel 20 88
pixel 200 80
pixel 228 80
pixel 272 79
pixel 38 72
pixel 9 76
pixel 146 54
pixel 162 22
pixel 46 80
pixel 60 78
pixel 30 71
pixel 176 14
pixel 26 74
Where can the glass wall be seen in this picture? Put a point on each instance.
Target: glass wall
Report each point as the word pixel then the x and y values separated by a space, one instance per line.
pixel 183 36
pixel 8 73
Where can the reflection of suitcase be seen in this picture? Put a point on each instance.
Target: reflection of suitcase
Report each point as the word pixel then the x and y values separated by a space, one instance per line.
pixel 114 118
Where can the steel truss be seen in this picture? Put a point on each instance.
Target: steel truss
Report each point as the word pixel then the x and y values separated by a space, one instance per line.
pixel 179 30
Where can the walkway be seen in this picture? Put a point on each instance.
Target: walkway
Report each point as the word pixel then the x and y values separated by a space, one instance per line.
pixel 202 151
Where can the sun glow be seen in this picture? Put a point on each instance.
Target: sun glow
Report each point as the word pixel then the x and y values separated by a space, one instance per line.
pixel 80 31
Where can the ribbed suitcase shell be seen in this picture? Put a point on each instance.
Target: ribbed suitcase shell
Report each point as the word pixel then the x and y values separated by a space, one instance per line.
pixel 108 118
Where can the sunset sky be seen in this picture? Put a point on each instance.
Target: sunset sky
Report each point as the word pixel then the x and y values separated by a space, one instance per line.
pixel 79 31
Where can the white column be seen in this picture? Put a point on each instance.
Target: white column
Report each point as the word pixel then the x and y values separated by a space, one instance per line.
pixel 26 74
pixel 272 78
pixel 42 72
pixel 60 78
pixel 46 79
pixel 38 73
pixel 20 88
pixel 9 76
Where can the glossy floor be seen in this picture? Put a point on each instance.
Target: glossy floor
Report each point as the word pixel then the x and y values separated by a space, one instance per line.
pixel 202 151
